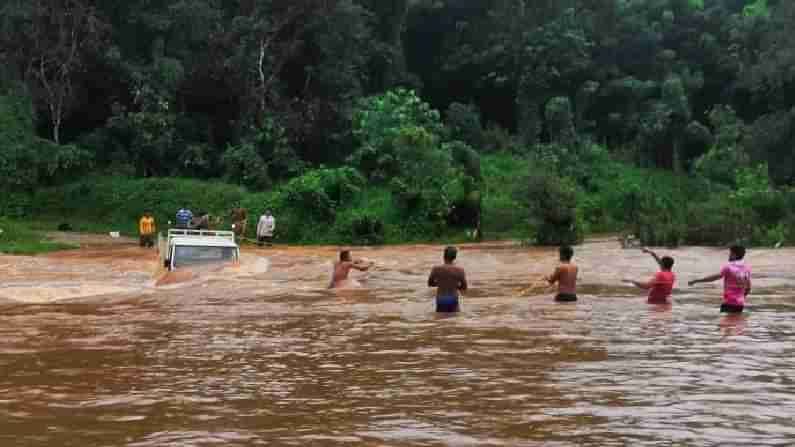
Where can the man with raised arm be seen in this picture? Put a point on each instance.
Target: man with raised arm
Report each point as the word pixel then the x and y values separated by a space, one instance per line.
pixel 661 286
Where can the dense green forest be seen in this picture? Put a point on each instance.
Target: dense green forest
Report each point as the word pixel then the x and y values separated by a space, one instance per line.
pixel 369 121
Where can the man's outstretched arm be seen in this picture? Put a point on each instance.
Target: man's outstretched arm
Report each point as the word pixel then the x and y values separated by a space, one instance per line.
pixel 643 285
pixel 555 276
pixel 711 278
pixel 432 279
pixel 361 266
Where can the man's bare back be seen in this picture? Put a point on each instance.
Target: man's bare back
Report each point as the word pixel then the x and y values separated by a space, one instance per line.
pixel 450 280
pixel 566 277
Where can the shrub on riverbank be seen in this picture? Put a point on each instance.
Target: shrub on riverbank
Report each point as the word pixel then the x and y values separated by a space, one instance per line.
pixel 663 208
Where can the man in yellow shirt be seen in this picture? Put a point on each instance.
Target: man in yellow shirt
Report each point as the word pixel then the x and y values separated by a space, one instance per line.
pixel 147 229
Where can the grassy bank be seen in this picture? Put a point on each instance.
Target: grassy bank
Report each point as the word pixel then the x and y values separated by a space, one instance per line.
pixel 336 206
pixel 306 214
pixel 19 238
pixel 329 208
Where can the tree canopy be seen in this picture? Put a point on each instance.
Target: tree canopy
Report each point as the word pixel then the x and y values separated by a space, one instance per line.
pixel 260 92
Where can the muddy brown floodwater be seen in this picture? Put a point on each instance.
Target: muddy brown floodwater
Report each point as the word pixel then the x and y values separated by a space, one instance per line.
pixel 93 353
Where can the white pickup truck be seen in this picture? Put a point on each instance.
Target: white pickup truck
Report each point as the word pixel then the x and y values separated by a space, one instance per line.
pixel 183 248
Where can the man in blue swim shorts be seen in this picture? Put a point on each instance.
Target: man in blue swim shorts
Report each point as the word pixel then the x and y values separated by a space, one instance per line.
pixel 450 280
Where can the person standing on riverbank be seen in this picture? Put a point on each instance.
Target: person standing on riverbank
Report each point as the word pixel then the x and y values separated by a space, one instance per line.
pixel 736 281
pixel 184 217
pixel 565 275
pixel 239 217
pixel 147 229
pixel 450 280
pixel 342 268
pixel 265 228
pixel 202 221
pixel 661 286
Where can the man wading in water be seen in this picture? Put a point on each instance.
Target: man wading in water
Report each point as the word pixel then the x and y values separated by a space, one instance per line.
pixel 736 281
pixel 339 276
pixel 449 279
pixel 661 286
pixel 565 276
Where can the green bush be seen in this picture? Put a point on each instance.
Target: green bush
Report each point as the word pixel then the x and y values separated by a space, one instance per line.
pixel 464 124
pixel 16 204
pixel 466 157
pixel 109 148
pixel 498 139
pixel 18 159
pixel 387 128
pixel 719 222
pixel 553 209
pixel 665 209
pixel 360 227
pixel 321 192
pixel 560 121
pixel 27 161
pixel 265 155
pixel 584 162
pixel 245 166
pixel 504 197
pixel 728 153
pixel 788 227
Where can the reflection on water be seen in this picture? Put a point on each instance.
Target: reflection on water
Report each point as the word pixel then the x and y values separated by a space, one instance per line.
pixel 263 354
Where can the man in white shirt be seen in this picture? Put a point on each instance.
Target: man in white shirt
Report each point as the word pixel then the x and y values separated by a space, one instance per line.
pixel 265 228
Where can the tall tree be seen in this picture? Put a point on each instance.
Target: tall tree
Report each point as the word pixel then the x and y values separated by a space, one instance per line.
pixel 391 23
pixel 49 41
pixel 263 37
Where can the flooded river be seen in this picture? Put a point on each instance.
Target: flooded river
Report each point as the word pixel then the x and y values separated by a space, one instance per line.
pixel 93 354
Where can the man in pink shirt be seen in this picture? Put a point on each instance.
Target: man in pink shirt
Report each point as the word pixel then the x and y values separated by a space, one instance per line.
pixel 661 286
pixel 736 281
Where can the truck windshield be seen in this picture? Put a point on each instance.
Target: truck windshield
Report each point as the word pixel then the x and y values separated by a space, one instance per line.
pixel 196 255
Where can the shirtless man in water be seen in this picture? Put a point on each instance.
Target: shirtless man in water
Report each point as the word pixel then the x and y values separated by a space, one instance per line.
pixel 339 277
pixel 449 279
pixel 565 276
